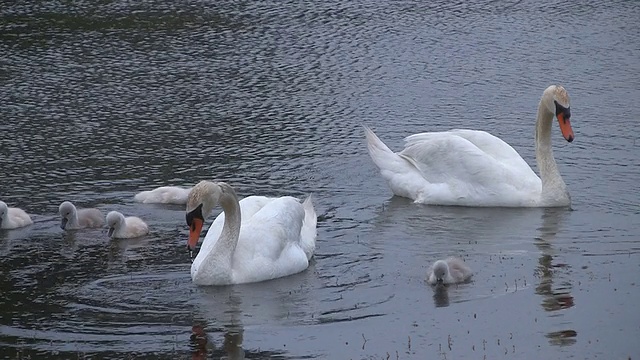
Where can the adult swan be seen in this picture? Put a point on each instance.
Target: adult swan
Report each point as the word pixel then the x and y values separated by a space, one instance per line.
pixel 255 239
pixel 475 168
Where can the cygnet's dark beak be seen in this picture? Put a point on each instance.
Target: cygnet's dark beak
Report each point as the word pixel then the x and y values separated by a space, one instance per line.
pixel 110 232
pixel 440 281
pixel 64 223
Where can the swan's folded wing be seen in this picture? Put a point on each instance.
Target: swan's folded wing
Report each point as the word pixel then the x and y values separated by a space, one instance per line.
pixel 496 148
pixel 249 206
pixel 446 157
pixel 90 218
pixel 272 229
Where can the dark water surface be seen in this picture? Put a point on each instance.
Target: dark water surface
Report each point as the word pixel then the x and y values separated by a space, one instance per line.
pixel 102 99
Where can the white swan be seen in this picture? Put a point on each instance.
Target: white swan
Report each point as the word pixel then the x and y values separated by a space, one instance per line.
pixel 451 270
pixel 475 168
pixel 124 228
pixel 13 218
pixel 73 218
pixel 255 239
pixel 163 195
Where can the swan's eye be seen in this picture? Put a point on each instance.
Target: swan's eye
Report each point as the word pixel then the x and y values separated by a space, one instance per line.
pixel 195 213
pixel 560 109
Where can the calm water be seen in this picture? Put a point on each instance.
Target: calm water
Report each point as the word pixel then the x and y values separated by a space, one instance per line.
pixel 99 100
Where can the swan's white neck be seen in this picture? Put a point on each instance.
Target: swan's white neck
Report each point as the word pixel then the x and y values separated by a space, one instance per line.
pixel 220 257
pixel 231 229
pixel 120 223
pixel 554 190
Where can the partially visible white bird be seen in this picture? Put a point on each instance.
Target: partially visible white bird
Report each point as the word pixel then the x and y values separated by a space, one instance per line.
pixel 73 218
pixel 124 228
pixel 451 270
pixel 13 218
pixel 164 195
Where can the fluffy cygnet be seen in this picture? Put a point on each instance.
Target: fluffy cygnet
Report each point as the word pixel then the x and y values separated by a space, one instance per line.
pixel 123 228
pixel 73 218
pixel 452 270
pixel 164 195
pixel 13 218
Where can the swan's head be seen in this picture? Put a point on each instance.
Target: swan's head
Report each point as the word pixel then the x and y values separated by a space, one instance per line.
pixel 115 220
pixel 200 203
pixel 441 270
pixel 4 210
pixel 66 210
pixel 556 101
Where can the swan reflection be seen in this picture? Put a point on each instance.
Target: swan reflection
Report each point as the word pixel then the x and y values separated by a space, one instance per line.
pixel 555 290
pixel 441 295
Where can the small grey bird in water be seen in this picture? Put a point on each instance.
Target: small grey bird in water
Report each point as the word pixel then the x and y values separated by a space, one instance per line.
pixel 73 218
pixel 451 270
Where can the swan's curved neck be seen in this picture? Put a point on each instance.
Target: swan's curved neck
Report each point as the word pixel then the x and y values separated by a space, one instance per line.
pixel 552 184
pixel 226 244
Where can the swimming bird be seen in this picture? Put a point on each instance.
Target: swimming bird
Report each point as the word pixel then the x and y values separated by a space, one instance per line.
pixel 124 228
pixel 13 218
pixel 451 270
pixel 73 218
pixel 255 239
pixel 475 168
pixel 163 195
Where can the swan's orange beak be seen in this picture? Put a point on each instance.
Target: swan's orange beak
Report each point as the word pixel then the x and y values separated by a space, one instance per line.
pixel 194 233
pixel 565 127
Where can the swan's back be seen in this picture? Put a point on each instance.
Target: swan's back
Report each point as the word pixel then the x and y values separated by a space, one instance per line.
pixel 457 167
pixel 487 143
pixel 134 227
pixel 277 238
pixel 271 230
pixel 458 269
pixel 90 218
pixel 164 195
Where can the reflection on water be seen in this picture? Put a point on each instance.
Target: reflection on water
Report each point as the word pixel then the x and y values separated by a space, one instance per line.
pixel 554 283
pixel 441 295
pixel 231 349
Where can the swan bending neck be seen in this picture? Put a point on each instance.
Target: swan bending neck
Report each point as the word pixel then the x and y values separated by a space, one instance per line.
pixel 228 240
pixel 552 184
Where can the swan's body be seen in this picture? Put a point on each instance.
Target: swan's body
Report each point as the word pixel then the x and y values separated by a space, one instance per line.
pixel 451 270
pixel 13 218
pixel 124 228
pixel 73 218
pixel 475 168
pixel 255 239
pixel 163 195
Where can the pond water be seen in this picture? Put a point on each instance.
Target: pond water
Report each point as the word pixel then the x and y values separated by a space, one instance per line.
pixel 100 100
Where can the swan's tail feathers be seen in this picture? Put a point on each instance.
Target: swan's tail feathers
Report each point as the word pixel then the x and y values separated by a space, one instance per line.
pixel 308 233
pixel 382 156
